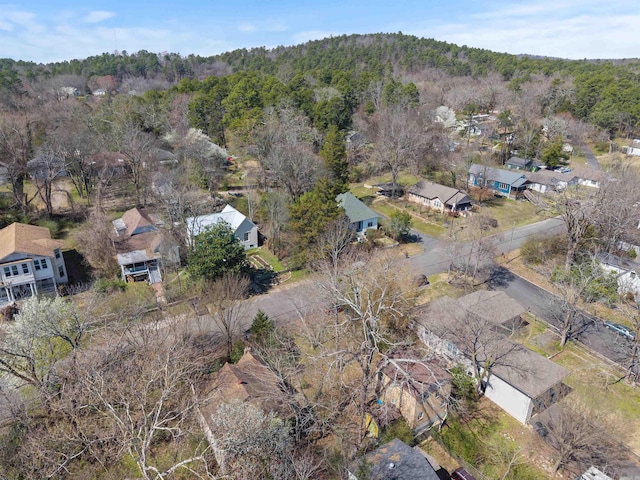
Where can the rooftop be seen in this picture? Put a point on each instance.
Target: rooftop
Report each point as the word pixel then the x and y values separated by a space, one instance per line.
pixel 447 195
pixel 229 215
pixel 27 239
pixel 398 461
pixel 354 209
pixel 514 178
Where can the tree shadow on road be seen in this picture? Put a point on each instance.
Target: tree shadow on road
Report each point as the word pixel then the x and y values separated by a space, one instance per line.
pixel 500 277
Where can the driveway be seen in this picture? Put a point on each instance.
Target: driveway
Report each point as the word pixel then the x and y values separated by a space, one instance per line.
pixel 544 305
pixel 592 161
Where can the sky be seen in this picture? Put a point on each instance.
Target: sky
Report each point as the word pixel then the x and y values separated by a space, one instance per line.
pixel 51 30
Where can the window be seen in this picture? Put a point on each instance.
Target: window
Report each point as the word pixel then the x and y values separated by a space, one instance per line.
pixel 7 272
pixel 36 264
pixel 43 262
pixel 61 271
pixel 370 224
pixel 14 270
pixel 57 252
pixel 246 236
pixel 25 268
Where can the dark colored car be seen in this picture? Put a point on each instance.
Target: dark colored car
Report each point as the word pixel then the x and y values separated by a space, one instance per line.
pixel 541 429
pixel 620 330
pixel 462 474
pixel 422 280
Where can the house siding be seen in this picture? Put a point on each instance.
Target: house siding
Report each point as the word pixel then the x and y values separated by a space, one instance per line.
pixel 417 414
pixel 510 399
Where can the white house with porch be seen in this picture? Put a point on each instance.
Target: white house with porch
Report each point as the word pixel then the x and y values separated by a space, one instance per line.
pixel 244 229
pixel 31 262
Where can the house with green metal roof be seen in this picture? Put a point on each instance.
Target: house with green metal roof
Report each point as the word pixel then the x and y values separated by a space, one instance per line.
pixel 360 216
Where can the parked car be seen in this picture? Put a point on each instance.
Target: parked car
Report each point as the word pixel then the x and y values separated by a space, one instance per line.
pixel 462 474
pixel 620 330
pixel 541 429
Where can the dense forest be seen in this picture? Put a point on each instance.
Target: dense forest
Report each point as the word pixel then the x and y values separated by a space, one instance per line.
pixel 605 92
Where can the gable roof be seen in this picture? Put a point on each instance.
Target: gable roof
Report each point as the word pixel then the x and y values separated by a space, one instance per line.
pixel 249 380
pixel 528 371
pixel 134 222
pixel 447 195
pixel 519 162
pixel 354 209
pixel 520 367
pixel 515 179
pixel 493 305
pixel 229 215
pixel 138 239
pixel 28 239
pixel 418 378
pixel 397 460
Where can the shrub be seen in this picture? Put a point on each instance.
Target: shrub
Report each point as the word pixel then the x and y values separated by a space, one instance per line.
pixel 400 430
pixel 536 250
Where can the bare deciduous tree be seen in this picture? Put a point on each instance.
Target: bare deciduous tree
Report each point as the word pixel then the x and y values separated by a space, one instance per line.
pixel 228 306
pixel 582 437
pixel 251 443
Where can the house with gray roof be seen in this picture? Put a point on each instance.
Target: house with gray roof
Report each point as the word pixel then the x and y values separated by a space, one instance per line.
pixel 523 382
pixel 361 217
pixel 244 229
pixel 439 197
pixel 395 461
pixel 519 163
pixel 505 183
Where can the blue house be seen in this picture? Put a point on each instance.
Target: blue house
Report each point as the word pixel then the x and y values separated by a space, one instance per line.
pixel 505 183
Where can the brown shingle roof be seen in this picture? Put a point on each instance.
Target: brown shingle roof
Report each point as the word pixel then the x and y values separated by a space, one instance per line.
pixel 28 239
pixel 494 306
pixel 137 222
pixel 249 380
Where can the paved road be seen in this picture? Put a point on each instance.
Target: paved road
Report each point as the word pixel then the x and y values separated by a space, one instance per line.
pixel 436 255
pixel 544 305
pixel 592 161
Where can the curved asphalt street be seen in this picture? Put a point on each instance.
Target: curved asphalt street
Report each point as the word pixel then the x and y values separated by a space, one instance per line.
pixel 298 301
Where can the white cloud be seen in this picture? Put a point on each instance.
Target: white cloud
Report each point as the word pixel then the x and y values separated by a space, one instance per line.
pixel 247 27
pixel 97 16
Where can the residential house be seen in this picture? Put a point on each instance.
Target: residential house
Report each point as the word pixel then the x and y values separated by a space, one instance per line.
pixel 439 197
pixel 31 262
pixel 634 149
pixel 520 381
pixel 588 177
pixel 100 92
pixel 518 163
pixel 139 245
pixel 544 181
pixel 505 183
pixel 592 473
pixel 250 380
pixel 244 229
pixel 361 217
pixel 393 461
pixel 420 389
pixel 391 190
pixel 627 272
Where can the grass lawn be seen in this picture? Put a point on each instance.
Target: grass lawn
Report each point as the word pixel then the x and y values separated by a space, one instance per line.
pixel 593 383
pixel 510 213
pixel 438 287
pixel 490 437
pixel 430 229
